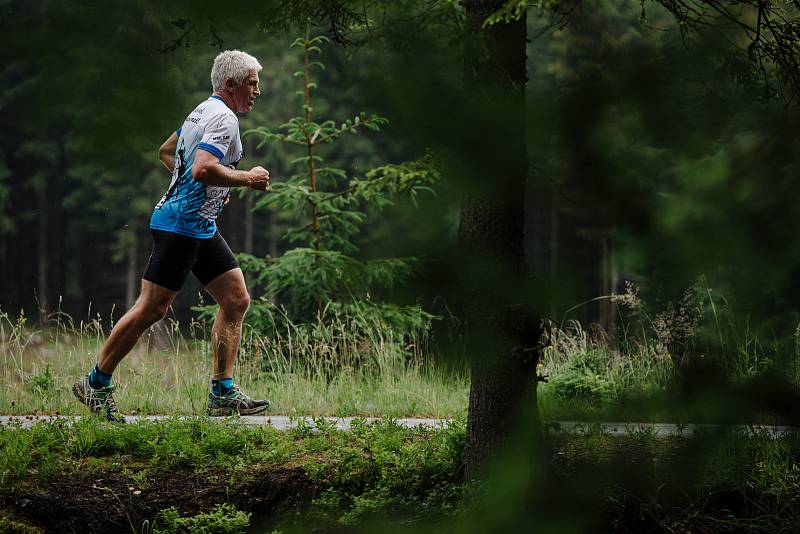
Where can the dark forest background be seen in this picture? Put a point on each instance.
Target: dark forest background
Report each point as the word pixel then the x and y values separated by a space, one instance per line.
pixel 652 158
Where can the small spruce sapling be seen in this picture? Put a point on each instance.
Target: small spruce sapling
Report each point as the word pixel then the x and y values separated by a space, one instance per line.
pixel 321 277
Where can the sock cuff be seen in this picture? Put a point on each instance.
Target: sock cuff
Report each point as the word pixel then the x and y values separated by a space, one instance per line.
pixel 99 379
pixel 221 386
pixel 100 373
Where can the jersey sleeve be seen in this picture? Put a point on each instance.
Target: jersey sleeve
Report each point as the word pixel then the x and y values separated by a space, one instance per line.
pixel 219 135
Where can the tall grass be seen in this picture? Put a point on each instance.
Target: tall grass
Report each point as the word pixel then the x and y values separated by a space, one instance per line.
pixel 590 371
pixel 348 365
pixel 319 369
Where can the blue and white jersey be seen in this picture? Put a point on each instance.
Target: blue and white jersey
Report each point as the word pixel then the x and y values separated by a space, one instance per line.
pixel 191 207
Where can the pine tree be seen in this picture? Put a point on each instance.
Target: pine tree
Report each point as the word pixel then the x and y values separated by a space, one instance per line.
pixel 322 277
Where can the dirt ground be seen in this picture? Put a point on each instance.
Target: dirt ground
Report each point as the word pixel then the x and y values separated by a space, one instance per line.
pixel 98 501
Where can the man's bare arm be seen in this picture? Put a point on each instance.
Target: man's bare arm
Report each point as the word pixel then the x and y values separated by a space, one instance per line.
pixel 207 169
pixel 167 151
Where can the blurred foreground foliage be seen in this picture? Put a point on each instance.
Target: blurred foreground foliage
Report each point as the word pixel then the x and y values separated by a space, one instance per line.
pixel 384 476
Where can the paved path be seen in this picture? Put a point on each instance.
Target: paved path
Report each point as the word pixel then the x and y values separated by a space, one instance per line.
pixel 283 422
pixel 279 422
pixel 663 429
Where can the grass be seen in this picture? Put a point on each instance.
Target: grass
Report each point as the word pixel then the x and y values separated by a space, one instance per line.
pixel 695 360
pixel 730 481
pixel 168 373
pixel 588 378
pixel 741 481
pixel 348 475
pixel 362 368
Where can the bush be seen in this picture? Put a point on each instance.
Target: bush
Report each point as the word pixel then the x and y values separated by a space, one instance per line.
pixel 584 377
pixel 224 519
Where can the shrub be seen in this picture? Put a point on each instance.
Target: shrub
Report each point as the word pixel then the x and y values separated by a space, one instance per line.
pixel 585 377
pixel 223 519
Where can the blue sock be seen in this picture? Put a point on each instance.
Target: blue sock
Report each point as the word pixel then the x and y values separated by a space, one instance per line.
pixel 98 379
pixel 225 385
pixel 222 387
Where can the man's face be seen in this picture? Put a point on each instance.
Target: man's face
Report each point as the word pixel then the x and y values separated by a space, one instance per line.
pixel 244 95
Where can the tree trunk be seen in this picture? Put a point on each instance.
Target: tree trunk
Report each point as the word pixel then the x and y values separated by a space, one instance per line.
pixel 542 234
pixel 273 233
pixel 42 260
pixel 502 331
pixel 610 281
pixel 248 223
pixel 131 275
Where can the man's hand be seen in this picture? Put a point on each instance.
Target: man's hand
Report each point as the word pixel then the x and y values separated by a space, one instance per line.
pixel 259 179
pixel 207 169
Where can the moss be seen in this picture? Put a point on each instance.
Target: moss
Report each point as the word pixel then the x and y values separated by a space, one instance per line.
pixel 11 525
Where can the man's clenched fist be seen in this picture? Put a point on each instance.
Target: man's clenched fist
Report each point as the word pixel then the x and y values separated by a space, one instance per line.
pixel 259 178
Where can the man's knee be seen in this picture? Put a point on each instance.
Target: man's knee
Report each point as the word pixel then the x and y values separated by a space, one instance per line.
pixel 152 312
pixel 153 303
pixel 236 304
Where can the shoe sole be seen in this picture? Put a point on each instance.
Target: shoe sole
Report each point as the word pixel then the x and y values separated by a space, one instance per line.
pixel 222 412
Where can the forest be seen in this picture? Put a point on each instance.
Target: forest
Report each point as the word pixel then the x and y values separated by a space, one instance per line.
pixel 524 266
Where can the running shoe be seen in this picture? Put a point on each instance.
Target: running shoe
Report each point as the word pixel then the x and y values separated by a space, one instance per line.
pixel 235 402
pixel 99 400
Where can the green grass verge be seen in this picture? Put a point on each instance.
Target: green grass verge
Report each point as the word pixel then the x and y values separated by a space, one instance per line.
pixel 409 479
pixel 374 377
pixel 350 475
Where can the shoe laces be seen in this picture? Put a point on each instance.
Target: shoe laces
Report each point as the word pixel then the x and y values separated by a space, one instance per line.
pixel 111 404
pixel 106 397
pixel 239 394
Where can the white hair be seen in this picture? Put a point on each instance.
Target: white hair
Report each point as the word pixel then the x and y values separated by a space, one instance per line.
pixel 233 64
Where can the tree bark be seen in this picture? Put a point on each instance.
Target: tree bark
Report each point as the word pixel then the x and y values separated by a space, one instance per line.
pixel 248 223
pixel 131 275
pixel 610 281
pixel 502 330
pixel 42 289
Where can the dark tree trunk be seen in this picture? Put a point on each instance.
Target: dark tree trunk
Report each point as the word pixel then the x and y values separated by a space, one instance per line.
pixel 131 274
pixel 248 223
pixel 42 289
pixel 502 331
pixel 609 281
pixel 542 235
pixel 274 234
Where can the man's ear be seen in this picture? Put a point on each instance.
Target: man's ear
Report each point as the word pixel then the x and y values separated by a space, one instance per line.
pixel 230 84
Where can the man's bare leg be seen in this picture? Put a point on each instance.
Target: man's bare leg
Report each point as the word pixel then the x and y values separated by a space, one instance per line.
pixel 230 292
pixel 94 390
pixel 150 307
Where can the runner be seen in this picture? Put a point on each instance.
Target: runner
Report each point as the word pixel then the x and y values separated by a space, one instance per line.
pixel 202 155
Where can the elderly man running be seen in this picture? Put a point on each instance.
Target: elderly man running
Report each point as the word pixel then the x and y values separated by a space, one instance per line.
pixel 202 155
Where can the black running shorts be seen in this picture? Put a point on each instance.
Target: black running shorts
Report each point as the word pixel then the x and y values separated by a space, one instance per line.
pixel 175 255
